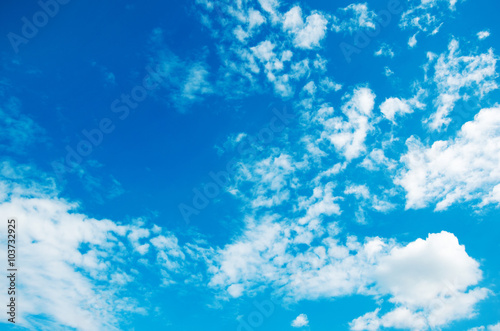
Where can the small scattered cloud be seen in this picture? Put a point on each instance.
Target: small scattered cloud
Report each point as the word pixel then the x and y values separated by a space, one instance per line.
pixel 384 50
pixel 412 41
pixel 300 321
pixel 483 34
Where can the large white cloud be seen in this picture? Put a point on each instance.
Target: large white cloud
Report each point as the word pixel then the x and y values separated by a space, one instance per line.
pixel 238 28
pixel 430 282
pixel 306 35
pixel 459 169
pixel 76 271
pixel 395 106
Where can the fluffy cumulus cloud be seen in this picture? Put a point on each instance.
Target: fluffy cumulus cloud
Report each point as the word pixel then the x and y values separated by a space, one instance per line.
pixel 459 169
pixel 430 282
pixel 398 107
pixel 262 39
pixel 331 265
pixel 300 321
pixel 306 34
pixel 394 106
pixel 300 251
pixel 483 34
pixel 384 50
pixel 348 136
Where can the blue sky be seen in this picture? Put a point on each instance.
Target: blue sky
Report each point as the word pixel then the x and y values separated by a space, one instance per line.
pixel 252 165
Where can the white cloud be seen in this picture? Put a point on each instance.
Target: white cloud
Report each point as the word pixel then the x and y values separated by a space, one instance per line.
pixel 413 40
pixel 323 202
pixel 77 271
pixel 293 19
pixel 495 327
pixel 297 249
pixel 385 50
pixel 454 75
pixel 273 67
pixel 360 191
pixel 300 321
pixel 429 281
pixel 460 169
pixel 354 17
pixel 392 106
pixel 271 7
pixel 60 280
pixel 312 33
pixel 367 200
pixel 264 51
pixel 306 35
pixel 483 34
pixel 235 290
pixel 255 18
pixel 349 136
pixel 269 178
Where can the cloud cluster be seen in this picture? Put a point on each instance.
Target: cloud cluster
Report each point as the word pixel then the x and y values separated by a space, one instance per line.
pixel 457 76
pixel 427 15
pixel 430 282
pixel 460 169
pixel 353 18
pixel 77 271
